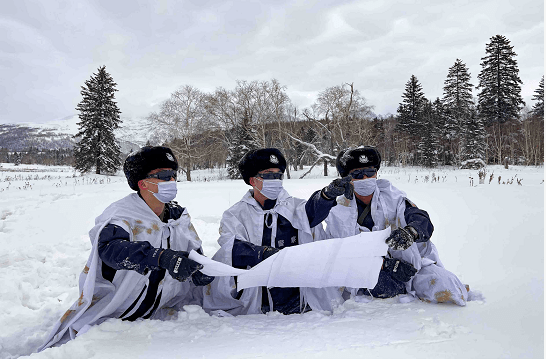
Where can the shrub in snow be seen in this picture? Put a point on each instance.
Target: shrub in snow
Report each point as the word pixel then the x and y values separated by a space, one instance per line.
pixel 473 164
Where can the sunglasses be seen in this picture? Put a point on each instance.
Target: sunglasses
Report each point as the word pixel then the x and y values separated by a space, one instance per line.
pixel 271 175
pixel 364 172
pixel 165 175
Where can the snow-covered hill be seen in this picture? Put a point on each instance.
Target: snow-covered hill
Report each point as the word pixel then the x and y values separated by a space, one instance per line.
pixel 490 235
pixel 59 134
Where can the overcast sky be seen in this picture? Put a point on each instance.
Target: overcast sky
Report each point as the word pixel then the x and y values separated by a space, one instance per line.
pixel 48 49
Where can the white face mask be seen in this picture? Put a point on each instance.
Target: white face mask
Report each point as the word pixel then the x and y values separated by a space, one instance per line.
pixel 365 187
pixel 166 191
pixel 271 188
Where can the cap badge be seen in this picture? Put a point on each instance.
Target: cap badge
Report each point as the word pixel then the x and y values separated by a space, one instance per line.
pixel 363 159
pixel 273 159
pixel 170 157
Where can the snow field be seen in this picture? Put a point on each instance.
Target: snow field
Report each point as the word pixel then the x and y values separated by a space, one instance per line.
pixel 490 235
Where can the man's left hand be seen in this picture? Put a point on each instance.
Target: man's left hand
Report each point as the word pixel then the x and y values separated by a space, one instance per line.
pixel 399 269
pixel 400 239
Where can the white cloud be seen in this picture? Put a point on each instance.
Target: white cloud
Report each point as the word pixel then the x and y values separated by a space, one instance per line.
pixel 48 49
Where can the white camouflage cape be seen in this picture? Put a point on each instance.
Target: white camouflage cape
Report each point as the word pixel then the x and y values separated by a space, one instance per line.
pixel 432 282
pixel 100 299
pixel 245 221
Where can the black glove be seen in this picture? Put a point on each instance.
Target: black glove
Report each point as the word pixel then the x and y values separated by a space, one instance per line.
pixel 338 187
pixel 268 252
pixel 401 238
pixel 200 279
pixel 399 269
pixel 178 264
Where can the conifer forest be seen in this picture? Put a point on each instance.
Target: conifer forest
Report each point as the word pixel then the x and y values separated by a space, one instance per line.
pixel 458 129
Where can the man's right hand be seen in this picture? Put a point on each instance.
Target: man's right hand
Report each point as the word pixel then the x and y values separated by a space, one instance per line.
pixel 268 252
pixel 178 264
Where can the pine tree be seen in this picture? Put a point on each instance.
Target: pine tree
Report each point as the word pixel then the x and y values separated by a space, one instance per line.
pixel 17 158
pixel 538 108
pixel 500 97
pixel 409 110
pixel 473 144
pixel 310 136
pixel 458 103
pixel 440 118
pixel 242 140
pixel 99 117
pixel 427 147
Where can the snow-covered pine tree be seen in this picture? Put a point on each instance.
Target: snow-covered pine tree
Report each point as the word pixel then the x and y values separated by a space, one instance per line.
pixel 473 143
pixel 17 158
pixel 242 140
pixel 458 103
pixel 299 149
pixel 378 131
pixel 99 117
pixel 500 97
pixel 409 111
pixel 427 147
pixel 439 122
pixel 538 108
pixel 310 136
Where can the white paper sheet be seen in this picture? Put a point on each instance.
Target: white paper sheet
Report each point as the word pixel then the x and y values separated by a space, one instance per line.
pixel 353 262
pixel 214 268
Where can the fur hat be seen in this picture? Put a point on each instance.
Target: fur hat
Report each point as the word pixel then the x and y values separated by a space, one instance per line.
pixel 351 158
pixel 261 159
pixel 138 164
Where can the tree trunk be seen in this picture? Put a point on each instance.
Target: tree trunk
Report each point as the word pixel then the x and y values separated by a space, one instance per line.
pixel 325 168
pixel 188 173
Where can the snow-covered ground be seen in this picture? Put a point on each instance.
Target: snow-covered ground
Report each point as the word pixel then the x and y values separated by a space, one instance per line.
pixel 490 235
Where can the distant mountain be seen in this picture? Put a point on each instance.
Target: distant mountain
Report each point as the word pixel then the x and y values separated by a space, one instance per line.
pixel 58 134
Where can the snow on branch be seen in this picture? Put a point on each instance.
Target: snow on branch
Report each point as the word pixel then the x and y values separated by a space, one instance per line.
pixel 320 155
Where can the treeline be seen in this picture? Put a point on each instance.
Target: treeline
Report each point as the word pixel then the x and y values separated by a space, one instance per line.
pixel 27 145
pixel 215 129
pixel 34 155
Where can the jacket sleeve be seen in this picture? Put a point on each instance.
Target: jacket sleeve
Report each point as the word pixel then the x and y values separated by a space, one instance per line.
pixel 318 208
pixel 245 254
pixel 118 252
pixel 420 220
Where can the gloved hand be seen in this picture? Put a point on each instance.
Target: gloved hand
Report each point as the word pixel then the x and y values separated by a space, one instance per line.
pixel 338 187
pixel 178 264
pixel 268 252
pixel 200 279
pixel 401 238
pixel 399 269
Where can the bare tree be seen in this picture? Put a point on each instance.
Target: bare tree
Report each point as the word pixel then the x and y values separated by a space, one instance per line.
pixel 342 119
pixel 181 123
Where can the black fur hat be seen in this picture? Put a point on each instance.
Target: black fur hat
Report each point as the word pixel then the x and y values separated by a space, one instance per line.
pixel 261 159
pixel 351 158
pixel 138 164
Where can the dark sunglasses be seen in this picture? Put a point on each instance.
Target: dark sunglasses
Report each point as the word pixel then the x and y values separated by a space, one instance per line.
pixel 364 172
pixel 271 175
pixel 165 175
